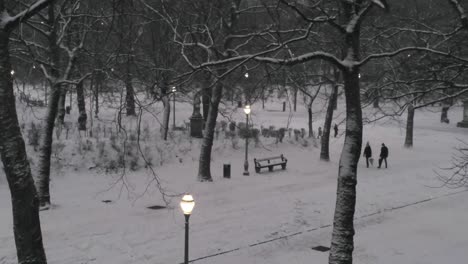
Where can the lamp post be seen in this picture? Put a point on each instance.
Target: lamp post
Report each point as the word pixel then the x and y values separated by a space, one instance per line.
pixel 174 90
pixel 246 162
pixel 187 205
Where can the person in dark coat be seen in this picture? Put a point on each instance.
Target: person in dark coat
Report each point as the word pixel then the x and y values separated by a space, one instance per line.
pixel 367 153
pixel 383 155
pixel 336 129
pixel 319 132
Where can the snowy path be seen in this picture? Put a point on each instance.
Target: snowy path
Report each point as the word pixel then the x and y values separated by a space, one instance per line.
pixel 428 232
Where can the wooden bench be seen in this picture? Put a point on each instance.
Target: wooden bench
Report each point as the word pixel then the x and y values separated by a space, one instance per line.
pixel 270 163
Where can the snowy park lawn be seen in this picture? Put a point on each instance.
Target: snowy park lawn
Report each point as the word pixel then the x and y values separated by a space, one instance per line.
pixel 272 217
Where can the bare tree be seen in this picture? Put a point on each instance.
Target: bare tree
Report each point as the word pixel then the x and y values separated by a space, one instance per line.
pixel 53 28
pixel 25 203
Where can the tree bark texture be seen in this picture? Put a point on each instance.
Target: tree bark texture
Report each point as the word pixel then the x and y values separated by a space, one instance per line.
pixel 325 143
pixel 61 106
pixel 206 96
pixel 83 117
pixel 295 99
pixel 95 84
pixel 166 115
pixel 342 243
pixel 130 93
pixel 204 167
pixel 309 111
pixel 376 102
pixel 444 114
pixel 409 127
pixel 45 147
pixel 25 204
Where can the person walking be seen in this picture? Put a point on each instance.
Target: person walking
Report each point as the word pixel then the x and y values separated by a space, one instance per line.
pixel 336 130
pixel 368 154
pixel 383 155
pixel 319 132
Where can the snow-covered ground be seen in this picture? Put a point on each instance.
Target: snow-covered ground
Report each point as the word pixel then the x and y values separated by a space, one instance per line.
pixel 263 218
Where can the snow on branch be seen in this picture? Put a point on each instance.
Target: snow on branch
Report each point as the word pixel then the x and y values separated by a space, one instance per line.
pixel 402 50
pixel 9 23
pixel 382 3
pixel 356 20
pixel 303 58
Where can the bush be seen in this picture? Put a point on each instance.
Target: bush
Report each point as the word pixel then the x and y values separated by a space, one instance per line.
pixel 244 132
pixel 232 126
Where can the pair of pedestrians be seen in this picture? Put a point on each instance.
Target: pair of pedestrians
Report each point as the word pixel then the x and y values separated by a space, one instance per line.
pixel 335 128
pixel 383 155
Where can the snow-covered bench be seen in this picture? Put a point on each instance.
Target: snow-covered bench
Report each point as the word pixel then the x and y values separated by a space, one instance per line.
pixel 270 163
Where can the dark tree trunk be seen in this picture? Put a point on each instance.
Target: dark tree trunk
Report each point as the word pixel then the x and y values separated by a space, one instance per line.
pixel 166 115
pixel 336 75
pixel 24 200
pixel 46 95
pixel 130 95
pixel 409 127
pixel 83 117
pixel 309 111
pixel 204 167
pixel 95 82
pixel 325 143
pixel 263 97
pixel 295 99
pixel 342 243
pixel 61 106
pixel 376 102
pixel 129 99
pixel 45 149
pixel 206 97
pixel 444 114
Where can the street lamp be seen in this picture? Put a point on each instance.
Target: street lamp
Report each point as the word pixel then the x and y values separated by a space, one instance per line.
pixel 246 162
pixel 174 90
pixel 187 205
pixel 12 72
pixel 246 75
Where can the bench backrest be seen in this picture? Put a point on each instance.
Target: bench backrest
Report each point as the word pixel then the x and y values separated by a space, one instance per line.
pixel 281 157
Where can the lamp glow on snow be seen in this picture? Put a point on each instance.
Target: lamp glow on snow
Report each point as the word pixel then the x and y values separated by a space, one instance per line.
pixel 247 109
pixel 187 204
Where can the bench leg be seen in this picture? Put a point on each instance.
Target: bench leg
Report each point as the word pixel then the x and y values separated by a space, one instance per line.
pixel 270 168
pixel 283 166
pixel 257 169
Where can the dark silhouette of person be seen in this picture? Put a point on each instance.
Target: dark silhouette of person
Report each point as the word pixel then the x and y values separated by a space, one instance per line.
pixel 319 132
pixel 383 155
pixel 367 153
pixel 336 129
